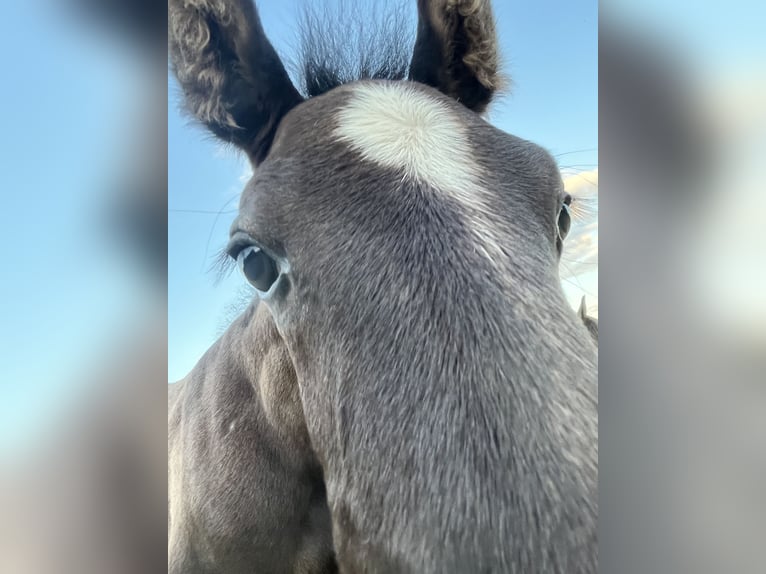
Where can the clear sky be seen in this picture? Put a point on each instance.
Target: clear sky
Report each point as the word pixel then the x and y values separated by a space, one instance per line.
pixel 66 280
pixel 550 52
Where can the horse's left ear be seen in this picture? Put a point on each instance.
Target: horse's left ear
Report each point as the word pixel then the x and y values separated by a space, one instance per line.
pixel 232 78
pixel 456 50
pixel 583 311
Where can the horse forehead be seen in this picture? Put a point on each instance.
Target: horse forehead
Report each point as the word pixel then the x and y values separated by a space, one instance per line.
pixel 404 127
pixel 415 134
pixel 412 133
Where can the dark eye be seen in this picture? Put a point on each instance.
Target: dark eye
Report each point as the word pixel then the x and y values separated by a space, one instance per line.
pixel 565 220
pixel 259 269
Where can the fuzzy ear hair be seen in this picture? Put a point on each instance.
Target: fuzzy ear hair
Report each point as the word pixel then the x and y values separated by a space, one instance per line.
pixel 232 79
pixel 456 50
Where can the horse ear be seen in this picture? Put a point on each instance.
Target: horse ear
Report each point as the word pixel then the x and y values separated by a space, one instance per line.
pixel 583 312
pixel 456 50
pixel 232 79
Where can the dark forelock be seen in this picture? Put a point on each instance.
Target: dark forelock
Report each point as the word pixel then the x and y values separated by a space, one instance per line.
pixel 352 41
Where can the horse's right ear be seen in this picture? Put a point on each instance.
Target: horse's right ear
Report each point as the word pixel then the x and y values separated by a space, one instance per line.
pixel 232 79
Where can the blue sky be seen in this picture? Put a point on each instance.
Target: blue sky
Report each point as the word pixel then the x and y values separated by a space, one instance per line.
pixel 550 52
pixel 66 281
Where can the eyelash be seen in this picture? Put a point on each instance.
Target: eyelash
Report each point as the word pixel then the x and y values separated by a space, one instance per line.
pixel 226 260
pixel 223 265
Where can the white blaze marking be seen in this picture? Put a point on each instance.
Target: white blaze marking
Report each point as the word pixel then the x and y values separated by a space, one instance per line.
pixel 396 125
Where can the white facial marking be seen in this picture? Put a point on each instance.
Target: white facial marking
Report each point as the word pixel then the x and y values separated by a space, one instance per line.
pixel 397 125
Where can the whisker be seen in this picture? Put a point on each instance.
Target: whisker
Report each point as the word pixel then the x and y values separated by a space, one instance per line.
pixel 212 227
pixel 581 288
pixel 574 281
pixel 576 151
pixel 203 211
pixel 578 166
pixel 579 261
pixel 583 208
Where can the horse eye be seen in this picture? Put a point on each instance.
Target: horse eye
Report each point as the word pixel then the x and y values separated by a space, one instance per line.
pixel 257 267
pixel 565 221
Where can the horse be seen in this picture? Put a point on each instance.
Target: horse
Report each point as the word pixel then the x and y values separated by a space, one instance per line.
pixel 590 322
pixel 409 390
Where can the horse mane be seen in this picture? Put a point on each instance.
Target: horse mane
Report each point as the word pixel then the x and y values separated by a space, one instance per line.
pixel 352 41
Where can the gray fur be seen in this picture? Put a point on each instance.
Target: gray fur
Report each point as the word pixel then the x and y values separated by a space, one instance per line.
pixel 233 80
pixel 245 489
pixel 590 322
pixel 456 51
pixel 447 405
